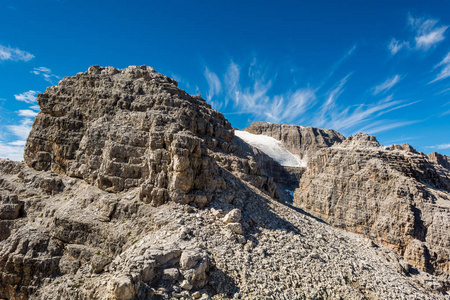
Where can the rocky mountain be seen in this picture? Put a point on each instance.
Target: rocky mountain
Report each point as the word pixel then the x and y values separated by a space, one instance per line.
pixel 133 189
pixel 299 140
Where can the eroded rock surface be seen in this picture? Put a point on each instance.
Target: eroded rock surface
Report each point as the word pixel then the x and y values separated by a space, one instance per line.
pixel 394 195
pixel 299 140
pixel 86 243
pixel 119 129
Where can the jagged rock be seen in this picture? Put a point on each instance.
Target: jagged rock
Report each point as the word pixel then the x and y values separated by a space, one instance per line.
pixel 120 129
pixel 234 216
pixel 394 195
pixel 440 159
pixel 299 140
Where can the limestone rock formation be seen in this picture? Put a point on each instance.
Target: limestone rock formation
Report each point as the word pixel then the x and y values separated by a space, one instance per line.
pixel 440 159
pixel 119 129
pixel 395 195
pixel 133 189
pixel 299 140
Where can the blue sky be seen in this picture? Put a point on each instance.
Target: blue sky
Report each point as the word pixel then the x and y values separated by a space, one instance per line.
pixel 381 67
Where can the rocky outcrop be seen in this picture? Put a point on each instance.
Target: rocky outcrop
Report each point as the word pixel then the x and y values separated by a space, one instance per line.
pixel 394 195
pixel 440 159
pixel 119 129
pixel 299 140
pixel 86 243
pixel 286 178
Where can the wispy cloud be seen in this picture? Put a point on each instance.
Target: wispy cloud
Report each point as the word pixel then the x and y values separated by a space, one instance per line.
pixel 386 85
pixel 248 89
pixel 353 117
pixel 288 108
pixel 46 73
pixel 321 118
pixel 439 147
pixel 18 143
pixel 27 113
pixel 21 130
pixel 396 45
pixel 215 86
pixel 27 97
pixel 427 32
pixel 232 84
pixel 11 151
pixel 444 65
pixel 14 54
pixel 255 96
pixel 384 125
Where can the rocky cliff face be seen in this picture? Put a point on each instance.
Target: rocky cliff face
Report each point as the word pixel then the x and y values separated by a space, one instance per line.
pixel 440 159
pixel 300 140
pixel 133 189
pixel 394 195
pixel 119 129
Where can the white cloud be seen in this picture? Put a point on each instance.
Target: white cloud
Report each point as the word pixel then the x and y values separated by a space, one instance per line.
pixel 396 45
pixel 288 108
pixel 232 83
pixel 35 107
pixel 248 90
pixel 383 125
pixel 215 87
pixel 254 98
pixel 328 105
pixel 427 33
pixel 27 97
pixel 440 147
pixel 27 113
pixel 46 73
pixel 386 85
pixel 349 117
pixel 445 68
pixel 17 143
pixel 22 130
pixel 11 151
pixel 14 54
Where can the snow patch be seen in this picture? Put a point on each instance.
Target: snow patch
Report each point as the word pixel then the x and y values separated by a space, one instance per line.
pixel 272 148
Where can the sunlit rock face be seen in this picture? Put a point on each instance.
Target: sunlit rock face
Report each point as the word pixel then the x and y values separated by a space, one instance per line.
pixel 393 195
pixel 119 129
pixel 299 140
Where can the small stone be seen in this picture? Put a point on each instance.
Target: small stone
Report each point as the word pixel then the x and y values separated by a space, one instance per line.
pixel 235 227
pixel 170 274
pixel 234 216
pixel 218 213
pixel 186 285
pixel 188 209
pixel 196 295
pixel 241 239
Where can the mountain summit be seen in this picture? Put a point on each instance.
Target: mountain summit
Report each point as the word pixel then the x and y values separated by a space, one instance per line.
pixel 133 189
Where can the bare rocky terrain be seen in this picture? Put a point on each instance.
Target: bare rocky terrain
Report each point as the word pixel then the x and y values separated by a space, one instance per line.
pixel 132 189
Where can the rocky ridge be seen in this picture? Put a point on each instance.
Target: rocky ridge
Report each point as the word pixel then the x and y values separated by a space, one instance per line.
pixel 393 195
pixel 133 189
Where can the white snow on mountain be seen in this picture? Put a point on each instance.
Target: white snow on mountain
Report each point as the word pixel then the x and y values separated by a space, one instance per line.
pixel 272 148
